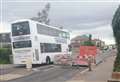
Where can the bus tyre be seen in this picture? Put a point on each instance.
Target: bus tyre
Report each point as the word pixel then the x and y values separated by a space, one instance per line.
pixel 48 60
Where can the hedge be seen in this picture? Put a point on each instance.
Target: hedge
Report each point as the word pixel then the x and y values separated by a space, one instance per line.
pixel 5 55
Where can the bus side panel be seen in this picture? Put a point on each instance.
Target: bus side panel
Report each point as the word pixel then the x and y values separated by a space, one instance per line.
pixel 37 59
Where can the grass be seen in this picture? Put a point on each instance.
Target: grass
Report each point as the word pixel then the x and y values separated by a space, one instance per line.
pixel 4 61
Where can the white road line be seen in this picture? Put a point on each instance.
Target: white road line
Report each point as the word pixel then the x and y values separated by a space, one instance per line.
pixel 51 68
pixel 84 71
pixel 46 68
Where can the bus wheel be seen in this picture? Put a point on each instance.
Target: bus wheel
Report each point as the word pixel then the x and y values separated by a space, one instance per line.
pixel 48 60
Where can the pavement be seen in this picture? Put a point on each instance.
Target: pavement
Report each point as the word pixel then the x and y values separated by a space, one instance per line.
pixel 9 72
pixel 4 68
pixel 100 73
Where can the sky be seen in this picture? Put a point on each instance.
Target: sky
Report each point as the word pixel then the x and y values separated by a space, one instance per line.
pixel 78 16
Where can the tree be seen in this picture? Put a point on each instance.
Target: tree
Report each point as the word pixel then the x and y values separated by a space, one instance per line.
pixel 116 32
pixel 43 15
pixel 90 37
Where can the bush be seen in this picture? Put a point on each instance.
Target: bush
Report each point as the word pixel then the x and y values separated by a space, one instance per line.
pixel 4 55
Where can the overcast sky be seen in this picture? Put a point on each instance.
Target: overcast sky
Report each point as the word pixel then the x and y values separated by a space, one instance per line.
pixel 79 17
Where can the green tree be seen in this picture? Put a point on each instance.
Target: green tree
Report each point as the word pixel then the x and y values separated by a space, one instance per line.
pixel 116 32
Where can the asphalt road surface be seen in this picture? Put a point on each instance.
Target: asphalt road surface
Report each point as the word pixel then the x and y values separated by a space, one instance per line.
pixel 50 73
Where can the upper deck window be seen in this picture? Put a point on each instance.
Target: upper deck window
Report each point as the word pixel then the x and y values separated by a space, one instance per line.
pixel 41 29
pixel 20 28
pixel 45 30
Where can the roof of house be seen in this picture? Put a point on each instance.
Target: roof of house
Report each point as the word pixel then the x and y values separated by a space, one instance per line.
pixel 81 38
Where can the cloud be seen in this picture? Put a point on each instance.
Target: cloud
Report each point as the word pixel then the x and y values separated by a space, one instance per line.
pixel 103 32
pixel 60 12
pixel 80 17
pixel 4 27
pixel 91 25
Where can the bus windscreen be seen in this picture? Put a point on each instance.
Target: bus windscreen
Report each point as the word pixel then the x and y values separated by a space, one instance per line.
pixel 21 28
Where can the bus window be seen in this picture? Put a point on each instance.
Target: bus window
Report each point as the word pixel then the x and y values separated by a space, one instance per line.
pixel 21 28
pixel 22 44
pixel 42 47
pixel 68 35
pixel 41 29
pixel 64 34
pixel 50 47
pixel 70 48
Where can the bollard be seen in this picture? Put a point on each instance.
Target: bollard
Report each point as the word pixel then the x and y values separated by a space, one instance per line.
pixel 29 64
pixel 89 66
pixel 90 63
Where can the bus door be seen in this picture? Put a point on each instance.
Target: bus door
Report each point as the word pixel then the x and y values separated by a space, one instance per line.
pixel 36 54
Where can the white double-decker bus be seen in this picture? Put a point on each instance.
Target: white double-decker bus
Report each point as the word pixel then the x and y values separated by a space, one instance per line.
pixel 37 42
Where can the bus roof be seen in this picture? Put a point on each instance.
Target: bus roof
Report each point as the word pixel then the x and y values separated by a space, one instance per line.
pixel 21 20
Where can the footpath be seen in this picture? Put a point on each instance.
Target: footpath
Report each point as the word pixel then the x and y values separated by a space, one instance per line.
pixel 9 72
pixel 100 73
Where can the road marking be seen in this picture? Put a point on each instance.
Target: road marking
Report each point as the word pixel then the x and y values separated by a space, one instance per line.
pixel 45 68
pixel 84 71
pixel 76 81
pixel 35 69
pixel 51 68
pixel 48 69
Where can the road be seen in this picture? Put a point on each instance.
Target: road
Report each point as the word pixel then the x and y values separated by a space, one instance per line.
pixel 53 73
pixel 50 73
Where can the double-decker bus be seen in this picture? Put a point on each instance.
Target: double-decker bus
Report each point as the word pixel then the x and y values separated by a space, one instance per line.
pixel 37 42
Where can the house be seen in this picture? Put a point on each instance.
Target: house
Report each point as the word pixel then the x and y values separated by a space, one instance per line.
pixel 79 40
pixel 76 43
pixel 99 43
